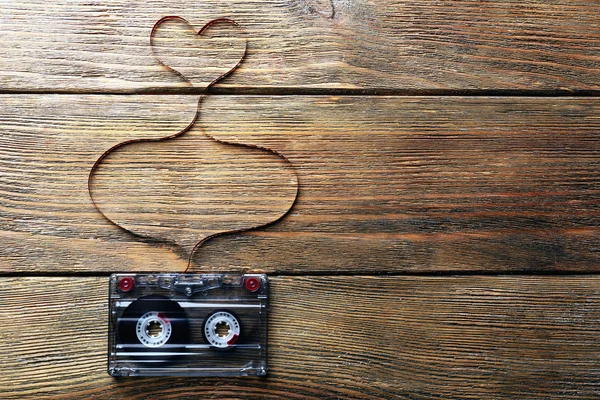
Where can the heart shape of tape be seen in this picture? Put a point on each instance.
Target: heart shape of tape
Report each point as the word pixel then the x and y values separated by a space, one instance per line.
pixel 201 58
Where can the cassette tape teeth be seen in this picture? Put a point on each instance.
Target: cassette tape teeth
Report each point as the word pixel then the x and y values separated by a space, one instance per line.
pixel 222 329
pixel 188 325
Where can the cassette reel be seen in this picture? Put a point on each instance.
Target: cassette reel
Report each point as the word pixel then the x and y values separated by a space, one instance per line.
pixel 188 324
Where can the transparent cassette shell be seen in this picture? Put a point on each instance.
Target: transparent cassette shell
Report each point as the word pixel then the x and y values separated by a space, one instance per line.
pixel 187 324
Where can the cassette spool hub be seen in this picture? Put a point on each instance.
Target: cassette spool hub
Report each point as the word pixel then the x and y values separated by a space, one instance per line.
pixel 155 325
pixel 222 329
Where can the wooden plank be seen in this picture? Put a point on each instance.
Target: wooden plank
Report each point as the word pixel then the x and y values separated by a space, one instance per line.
pixel 387 184
pixel 331 337
pixel 311 44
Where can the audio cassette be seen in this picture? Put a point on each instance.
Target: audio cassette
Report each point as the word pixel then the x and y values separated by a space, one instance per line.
pixel 187 324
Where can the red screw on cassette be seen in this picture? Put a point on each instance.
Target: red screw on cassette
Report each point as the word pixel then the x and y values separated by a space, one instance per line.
pixel 252 284
pixel 126 284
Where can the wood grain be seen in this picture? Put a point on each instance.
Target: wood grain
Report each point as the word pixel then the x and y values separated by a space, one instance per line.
pixel 387 184
pixel 332 337
pixel 311 44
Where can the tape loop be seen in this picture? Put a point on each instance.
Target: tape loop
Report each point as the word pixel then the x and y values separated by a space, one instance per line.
pixel 187 128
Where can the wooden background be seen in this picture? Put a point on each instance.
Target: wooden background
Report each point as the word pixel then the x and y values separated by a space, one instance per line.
pixel 446 240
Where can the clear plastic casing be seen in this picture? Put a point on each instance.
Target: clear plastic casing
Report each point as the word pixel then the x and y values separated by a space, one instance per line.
pixel 187 324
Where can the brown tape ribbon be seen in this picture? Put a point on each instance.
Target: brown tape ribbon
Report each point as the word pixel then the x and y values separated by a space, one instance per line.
pixel 187 128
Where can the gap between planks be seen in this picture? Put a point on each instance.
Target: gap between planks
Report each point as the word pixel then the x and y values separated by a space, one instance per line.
pixel 323 274
pixel 299 91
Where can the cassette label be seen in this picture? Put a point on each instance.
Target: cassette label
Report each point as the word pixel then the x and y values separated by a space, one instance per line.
pixel 187 324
